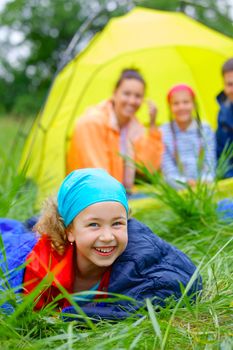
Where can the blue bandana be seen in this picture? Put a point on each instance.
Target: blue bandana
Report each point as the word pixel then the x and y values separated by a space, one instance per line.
pixel 85 187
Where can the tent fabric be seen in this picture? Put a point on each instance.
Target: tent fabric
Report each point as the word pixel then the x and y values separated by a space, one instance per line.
pixel 168 48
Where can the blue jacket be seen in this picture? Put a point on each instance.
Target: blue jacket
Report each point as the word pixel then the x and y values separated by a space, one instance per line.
pixel 148 268
pixel 224 133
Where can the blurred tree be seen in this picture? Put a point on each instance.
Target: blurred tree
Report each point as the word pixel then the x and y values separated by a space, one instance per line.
pixel 37 33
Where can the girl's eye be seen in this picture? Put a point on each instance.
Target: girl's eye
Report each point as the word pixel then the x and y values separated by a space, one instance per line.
pixel 117 223
pixel 93 224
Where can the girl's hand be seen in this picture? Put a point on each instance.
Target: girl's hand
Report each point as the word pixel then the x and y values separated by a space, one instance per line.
pixel 152 112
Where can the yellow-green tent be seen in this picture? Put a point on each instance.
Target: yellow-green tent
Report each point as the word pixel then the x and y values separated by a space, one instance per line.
pixel 167 47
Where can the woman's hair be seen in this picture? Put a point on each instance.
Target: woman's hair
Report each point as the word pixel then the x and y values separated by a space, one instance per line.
pixel 51 224
pixel 129 74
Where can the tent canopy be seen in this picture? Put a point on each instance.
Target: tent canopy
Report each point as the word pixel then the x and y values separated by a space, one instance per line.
pixel 168 48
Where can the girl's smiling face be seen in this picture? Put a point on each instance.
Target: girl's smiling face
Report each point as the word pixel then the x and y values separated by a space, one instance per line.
pixel 182 106
pixel 100 235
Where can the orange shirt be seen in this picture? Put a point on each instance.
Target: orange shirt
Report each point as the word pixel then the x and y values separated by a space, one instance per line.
pixel 96 143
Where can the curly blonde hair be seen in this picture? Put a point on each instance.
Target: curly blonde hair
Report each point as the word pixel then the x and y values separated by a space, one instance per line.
pixel 52 224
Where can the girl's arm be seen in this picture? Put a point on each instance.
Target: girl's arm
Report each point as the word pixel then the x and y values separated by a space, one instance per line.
pixel 169 166
pixel 170 170
pixel 209 145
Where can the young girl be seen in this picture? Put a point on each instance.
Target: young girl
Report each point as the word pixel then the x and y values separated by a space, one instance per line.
pixel 89 242
pixel 189 145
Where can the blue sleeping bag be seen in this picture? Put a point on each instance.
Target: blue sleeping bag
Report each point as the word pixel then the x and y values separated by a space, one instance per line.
pixel 148 268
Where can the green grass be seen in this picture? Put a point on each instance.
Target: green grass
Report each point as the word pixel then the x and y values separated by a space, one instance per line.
pixel 189 222
pixel 16 194
pixel 13 133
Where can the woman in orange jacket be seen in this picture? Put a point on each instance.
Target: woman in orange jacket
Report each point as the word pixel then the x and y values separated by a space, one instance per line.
pixel 110 130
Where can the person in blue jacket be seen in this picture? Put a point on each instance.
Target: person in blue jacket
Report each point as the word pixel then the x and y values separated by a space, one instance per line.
pixel 224 133
pixel 88 242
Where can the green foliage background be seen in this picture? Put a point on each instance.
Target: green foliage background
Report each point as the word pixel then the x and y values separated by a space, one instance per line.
pixel 47 27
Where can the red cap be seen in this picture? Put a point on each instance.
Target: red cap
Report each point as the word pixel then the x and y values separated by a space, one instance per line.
pixel 179 87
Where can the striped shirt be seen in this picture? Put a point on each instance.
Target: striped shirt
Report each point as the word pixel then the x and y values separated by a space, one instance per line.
pixel 188 144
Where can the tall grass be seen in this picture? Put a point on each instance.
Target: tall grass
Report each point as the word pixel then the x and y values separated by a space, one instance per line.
pixel 186 220
pixel 16 193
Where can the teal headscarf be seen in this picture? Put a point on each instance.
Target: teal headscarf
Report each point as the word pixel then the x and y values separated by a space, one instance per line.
pixel 85 187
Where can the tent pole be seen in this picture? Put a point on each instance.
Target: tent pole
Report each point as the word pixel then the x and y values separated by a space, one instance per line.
pixel 67 55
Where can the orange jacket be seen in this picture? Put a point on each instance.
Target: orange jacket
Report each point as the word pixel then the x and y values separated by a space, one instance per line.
pixel 96 143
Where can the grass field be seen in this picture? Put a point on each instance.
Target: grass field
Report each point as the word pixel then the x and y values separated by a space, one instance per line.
pixel 13 133
pixel 16 195
pixel 189 222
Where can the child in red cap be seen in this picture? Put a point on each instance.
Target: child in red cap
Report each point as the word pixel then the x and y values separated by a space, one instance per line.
pixel 189 144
